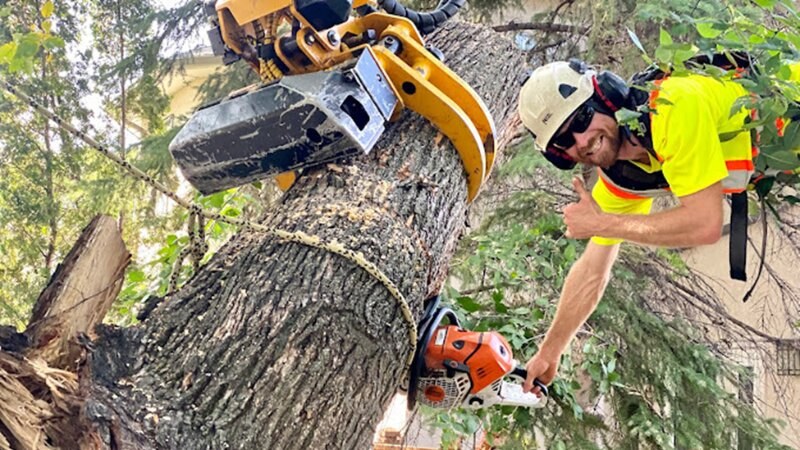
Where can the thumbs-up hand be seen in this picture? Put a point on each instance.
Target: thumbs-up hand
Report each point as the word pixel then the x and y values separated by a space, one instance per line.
pixel 584 218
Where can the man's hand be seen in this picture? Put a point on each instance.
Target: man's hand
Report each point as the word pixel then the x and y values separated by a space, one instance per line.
pixel 583 219
pixel 540 367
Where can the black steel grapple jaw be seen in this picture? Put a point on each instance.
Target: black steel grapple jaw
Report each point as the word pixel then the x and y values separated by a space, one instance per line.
pixel 296 122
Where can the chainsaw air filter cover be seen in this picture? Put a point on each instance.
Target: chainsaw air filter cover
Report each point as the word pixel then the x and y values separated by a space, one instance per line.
pixel 439 390
pixel 297 122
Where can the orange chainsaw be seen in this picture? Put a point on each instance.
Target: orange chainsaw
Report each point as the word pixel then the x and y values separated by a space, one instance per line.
pixel 454 367
pixel 334 74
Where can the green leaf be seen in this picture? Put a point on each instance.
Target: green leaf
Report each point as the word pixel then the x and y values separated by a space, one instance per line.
pixel 231 212
pixel 625 115
pixel 52 42
pixel 782 160
pixel 684 53
pixel 664 38
pixel 27 46
pixel 215 200
pixel 468 304
pixel 663 101
pixel 24 65
pixel 7 52
pixel 725 137
pixel 785 72
pixel 499 307
pixel 47 9
pixel 708 30
pixel 136 276
pixel 663 55
pixel 764 185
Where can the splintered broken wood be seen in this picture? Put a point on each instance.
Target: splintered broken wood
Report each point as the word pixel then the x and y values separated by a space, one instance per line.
pixel 79 294
pixel 31 421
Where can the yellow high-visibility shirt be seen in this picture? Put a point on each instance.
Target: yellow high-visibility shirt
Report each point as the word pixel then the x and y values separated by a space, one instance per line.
pixel 691 113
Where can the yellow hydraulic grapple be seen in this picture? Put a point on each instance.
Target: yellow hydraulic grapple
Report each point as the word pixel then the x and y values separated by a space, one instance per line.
pixel 334 73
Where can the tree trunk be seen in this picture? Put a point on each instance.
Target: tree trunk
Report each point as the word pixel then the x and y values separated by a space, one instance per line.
pixel 284 346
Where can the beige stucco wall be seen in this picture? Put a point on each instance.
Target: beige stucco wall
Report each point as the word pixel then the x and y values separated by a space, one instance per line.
pixel 778 396
pixel 182 84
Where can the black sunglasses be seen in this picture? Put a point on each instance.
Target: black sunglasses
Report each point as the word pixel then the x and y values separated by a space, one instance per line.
pixel 581 119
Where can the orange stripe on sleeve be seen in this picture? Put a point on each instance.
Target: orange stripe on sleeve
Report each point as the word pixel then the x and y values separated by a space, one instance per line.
pixel 733 191
pixel 740 164
pixel 619 192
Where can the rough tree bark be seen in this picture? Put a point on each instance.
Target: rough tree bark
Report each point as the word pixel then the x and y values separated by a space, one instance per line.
pixel 283 346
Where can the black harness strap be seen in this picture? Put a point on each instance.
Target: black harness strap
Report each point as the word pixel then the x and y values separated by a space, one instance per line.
pixel 738 237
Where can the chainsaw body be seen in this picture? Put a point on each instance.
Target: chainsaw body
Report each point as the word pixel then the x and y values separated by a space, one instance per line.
pixel 331 82
pixel 455 367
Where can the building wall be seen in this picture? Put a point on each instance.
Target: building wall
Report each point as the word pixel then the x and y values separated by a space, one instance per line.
pixel 777 396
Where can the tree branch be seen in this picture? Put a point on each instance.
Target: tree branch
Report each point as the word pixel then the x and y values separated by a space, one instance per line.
pixel 540 26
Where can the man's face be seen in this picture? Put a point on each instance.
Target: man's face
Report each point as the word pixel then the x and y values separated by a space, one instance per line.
pixel 588 137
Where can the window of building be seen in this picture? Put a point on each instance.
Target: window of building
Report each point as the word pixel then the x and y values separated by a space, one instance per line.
pixel 788 357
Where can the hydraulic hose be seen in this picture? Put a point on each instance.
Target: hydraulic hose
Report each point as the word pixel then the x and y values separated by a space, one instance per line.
pixel 426 22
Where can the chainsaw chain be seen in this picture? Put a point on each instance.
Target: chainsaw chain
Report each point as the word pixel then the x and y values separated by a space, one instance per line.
pixel 199 213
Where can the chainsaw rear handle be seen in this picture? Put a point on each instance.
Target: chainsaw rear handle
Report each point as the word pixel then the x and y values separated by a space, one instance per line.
pixel 522 373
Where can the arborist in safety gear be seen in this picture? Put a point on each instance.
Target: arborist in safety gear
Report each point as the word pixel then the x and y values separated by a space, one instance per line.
pixel 687 146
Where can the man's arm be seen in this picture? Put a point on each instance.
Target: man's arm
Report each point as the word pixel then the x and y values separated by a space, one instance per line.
pixel 583 289
pixel 696 221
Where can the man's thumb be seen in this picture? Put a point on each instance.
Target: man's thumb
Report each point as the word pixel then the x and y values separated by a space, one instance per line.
pixel 577 183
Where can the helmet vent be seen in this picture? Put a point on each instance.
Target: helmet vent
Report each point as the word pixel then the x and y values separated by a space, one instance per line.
pixel 566 90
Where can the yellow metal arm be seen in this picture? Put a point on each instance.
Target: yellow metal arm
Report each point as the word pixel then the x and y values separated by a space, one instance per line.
pixel 422 82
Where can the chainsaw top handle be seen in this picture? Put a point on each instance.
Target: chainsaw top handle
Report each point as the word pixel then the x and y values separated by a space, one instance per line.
pixel 523 374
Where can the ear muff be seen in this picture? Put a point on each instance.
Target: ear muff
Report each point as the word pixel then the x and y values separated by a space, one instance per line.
pixel 611 90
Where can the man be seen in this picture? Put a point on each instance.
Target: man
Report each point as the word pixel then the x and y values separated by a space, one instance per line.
pixel 687 147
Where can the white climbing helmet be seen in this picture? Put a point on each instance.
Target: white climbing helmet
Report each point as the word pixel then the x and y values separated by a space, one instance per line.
pixel 551 94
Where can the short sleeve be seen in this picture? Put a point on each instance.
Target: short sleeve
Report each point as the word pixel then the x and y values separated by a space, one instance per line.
pixel 613 203
pixel 686 139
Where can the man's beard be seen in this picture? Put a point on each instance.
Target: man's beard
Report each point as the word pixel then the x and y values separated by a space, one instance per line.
pixel 607 153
